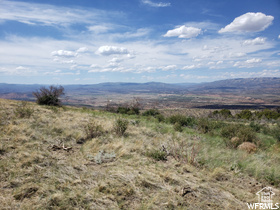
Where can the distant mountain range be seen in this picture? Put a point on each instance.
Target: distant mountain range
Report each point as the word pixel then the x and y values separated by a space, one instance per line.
pixel 264 85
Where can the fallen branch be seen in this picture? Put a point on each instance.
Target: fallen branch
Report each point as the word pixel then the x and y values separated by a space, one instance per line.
pixel 55 147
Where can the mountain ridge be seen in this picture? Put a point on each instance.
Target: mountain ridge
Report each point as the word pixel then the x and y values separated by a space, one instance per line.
pixel 238 86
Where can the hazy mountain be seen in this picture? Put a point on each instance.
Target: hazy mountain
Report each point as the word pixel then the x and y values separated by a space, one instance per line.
pixel 233 86
pixel 264 85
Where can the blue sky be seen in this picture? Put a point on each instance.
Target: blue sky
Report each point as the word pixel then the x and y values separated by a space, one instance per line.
pixel 173 41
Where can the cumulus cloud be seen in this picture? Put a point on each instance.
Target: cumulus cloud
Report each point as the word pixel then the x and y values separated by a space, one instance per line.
pixel 153 4
pixel 249 22
pixel 111 50
pixel 254 60
pixel 116 60
pixel 183 32
pixel 191 67
pixel 64 53
pixel 21 68
pixel 169 67
pixel 82 50
pixel 256 41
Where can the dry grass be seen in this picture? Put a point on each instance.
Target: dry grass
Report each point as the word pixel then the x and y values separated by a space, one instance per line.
pixel 106 171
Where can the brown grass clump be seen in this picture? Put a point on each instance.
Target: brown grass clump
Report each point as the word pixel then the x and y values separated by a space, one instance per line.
pixel 248 147
pixel 235 141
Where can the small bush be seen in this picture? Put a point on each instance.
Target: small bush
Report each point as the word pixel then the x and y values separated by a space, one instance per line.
pixel 245 114
pixel 224 114
pixel 93 130
pixel 229 131
pixel 158 155
pixel 276 133
pixel 255 126
pixel 154 113
pixel 129 111
pixel 246 134
pixel 23 110
pixel 183 151
pixel 151 112
pixel 203 125
pixel 178 127
pixel 243 133
pixel 160 118
pixel 268 114
pixel 121 126
pixel 49 96
pixel 182 120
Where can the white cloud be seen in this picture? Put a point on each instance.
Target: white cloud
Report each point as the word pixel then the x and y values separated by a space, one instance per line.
pixel 191 67
pixel 279 37
pixel 169 67
pixel 256 41
pixel 263 73
pixel 220 62
pixel 82 50
pixel 254 60
pixel 21 68
pixel 44 14
pixel 237 55
pixel 111 50
pixel 64 53
pixel 98 29
pixel 116 60
pixel 183 32
pixel 249 22
pixel 153 4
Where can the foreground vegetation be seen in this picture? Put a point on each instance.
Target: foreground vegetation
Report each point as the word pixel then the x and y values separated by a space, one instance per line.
pixel 67 158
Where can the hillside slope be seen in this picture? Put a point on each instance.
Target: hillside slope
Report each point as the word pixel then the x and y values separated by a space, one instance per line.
pixel 71 158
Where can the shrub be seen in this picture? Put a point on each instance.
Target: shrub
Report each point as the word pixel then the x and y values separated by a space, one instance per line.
pixel 203 125
pixel 276 133
pixel 23 110
pixel 229 131
pixel 93 130
pixel 120 126
pixel 224 113
pixel 178 127
pixel 243 134
pixel 127 110
pixel 49 96
pixel 151 112
pixel 160 118
pixel 245 114
pixel 181 150
pixel 268 114
pixel 255 126
pixel 158 155
pixel 246 134
pixel 122 110
pixel 182 120
pixel 154 113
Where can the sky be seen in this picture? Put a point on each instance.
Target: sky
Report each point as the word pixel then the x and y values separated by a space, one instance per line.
pixel 171 41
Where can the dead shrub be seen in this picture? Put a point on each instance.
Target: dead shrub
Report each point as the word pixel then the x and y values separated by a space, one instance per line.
pixel 248 147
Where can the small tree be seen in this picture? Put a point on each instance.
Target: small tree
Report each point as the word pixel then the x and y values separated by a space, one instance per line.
pixel 49 96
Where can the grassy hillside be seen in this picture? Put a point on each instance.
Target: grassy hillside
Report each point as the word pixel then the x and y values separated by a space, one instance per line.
pixel 77 158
